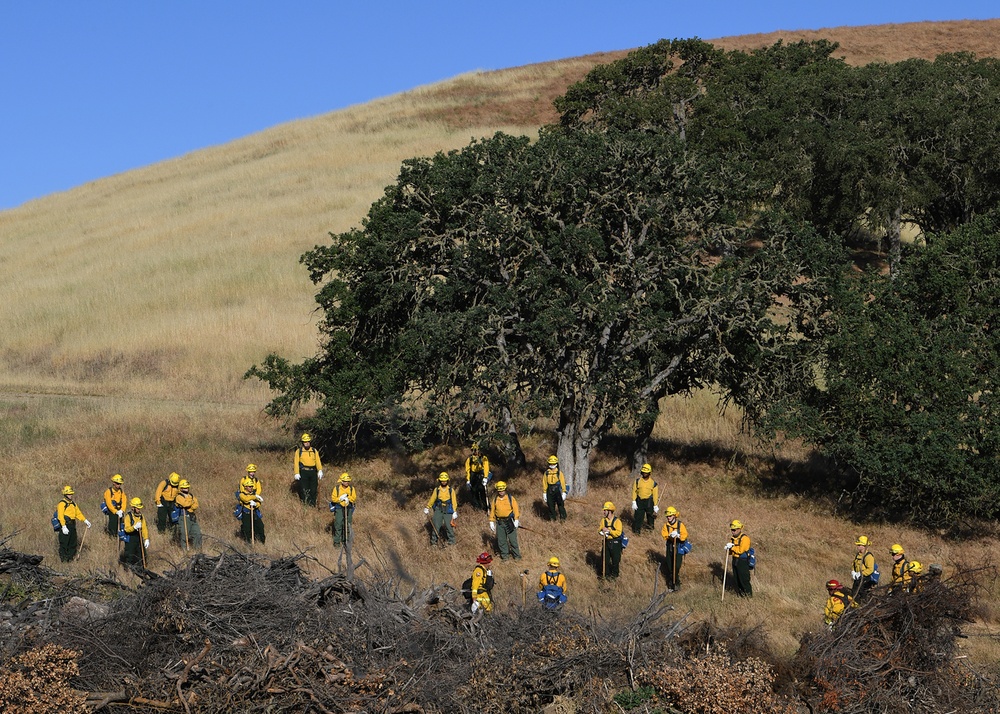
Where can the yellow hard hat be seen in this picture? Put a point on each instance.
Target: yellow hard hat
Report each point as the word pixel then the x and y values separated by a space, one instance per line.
pixel 609 506
pixel 251 468
pixel 863 540
pixel 735 525
pixel 443 477
pixel 68 491
pixel 553 459
pixel 646 469
pixel 501 485
pixel 916 567
pixel 554 562
pixel 345 477
pixel 117 478
pixel 136 503
pixel 306 437
pixel 247 482
pixel 475 446
pixel 184 483
pixel 896 549
pixel 671 511
pixel 175 478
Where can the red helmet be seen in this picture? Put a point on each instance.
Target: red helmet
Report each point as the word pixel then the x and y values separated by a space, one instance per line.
pixel 833 585
pixel 484 558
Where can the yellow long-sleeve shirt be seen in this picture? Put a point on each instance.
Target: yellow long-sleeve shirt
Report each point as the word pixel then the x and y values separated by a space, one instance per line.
pixel 612 526
pixel 669 528
pixel 864 563
pixel 441 497
pixel 836 604
pixel 68 511
pixel 551 477
pixel 901 576
pixel 644 488
pixel 187 501
pixel 741 544
pixel 341 489
pixel 248 500
pixel 130 519
pixel 478 466
pixel 166 491
pixel 115 499
pixel 552 577
pixel 308 457
pixel 504 506
pixel 479 574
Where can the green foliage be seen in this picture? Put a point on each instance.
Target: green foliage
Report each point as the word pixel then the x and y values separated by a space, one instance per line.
pixel 629 699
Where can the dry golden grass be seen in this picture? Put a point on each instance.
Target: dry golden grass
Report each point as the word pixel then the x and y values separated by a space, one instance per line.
pixel 133 305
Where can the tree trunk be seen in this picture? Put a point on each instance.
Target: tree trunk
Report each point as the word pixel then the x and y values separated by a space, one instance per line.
pixel 512 448
pixel 895 242
pixel 573 449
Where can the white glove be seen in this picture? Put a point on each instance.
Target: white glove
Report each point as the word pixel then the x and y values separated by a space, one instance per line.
pixel 635 506
pixel 259 498
pixel 454 517
pixel 564 495
pixel 729 546
pixel 855 575
pixel 298 476
pixel 485 481
pixel 426 511
pixel 517 523
pixel 656 509
pixel 145 543
pixel 675 534
pixel 119 513
pixel 545 497
pixel 475 607
pixel 159 505
pixel 493 527
pixel 469 484
pixel 319 474
pixel 65 530
pixel 344 500
pixel 137 523
pixel 87 523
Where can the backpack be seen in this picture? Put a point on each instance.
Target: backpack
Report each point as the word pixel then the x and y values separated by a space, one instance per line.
pixel 552 596
pixel 56 526
pixel 752 558
pixel 104 508
pixel 684 547
pixel 875 575
pixel 488 584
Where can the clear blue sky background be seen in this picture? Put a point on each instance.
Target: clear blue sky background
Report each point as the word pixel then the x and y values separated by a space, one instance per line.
pixel 93 88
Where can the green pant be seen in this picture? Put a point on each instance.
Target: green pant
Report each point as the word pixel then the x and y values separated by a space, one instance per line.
pixel 308 484
pixel 68 543
pixel 478 492
pixel 507 539
pixel 252 527
pixel 644 511
pixel 342 532
pixel 132 552
pixel 163 510
pixel 188 532
pixel 113 522
pixel 441 518
pixel 612 556
pixel 741 576
pixel 672 565
pixel 555 501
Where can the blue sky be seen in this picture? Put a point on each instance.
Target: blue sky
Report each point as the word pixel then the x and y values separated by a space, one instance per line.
pixel 90 89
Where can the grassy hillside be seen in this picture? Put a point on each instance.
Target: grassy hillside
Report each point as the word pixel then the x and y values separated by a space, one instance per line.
pixel 133 305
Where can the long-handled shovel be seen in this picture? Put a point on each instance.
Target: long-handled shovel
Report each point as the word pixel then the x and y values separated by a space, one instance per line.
pixel 725 572
pixel 604 558
pixel 187 543
pixel 253 536
pixel 79 551
pixel 673 583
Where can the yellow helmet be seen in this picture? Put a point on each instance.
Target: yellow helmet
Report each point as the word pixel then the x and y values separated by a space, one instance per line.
pixel 443 477
pixel 916 567
pixel 475 446
pixel 251 468
pixel 136 503
pixel 671 511
pixel 117 478
pixel 896 549
pixel 68 491
pixel 554 562
pixel 345 477
pixel 306 437
pixel 609 506
pixel 863 540
pixel 735 525
pixel 553 459
pixel 501 485
pixel 175 478
pixel 184 483
pixel 247 482
pixel 646 469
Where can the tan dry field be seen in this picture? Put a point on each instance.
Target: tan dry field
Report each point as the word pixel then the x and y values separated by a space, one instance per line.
pixel 134 304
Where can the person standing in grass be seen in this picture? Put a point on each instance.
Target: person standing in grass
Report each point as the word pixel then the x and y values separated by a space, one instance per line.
pixel 308 470
pixel 552 585
pixel 645 497
pixel 67 514
pixel 342 500
pixel 611 531
pixel 164 497
pixel 554 489
pixel 739 551
pixel 258 487
pixel 477 476
pixel 836 603
pixel 482 584
pixel 136 535
pixel 504 521
pixel 114 504
pixel 900 580
pixel 188 530
pixel 444 503
pixel 251 517
pixel 675 536
pixel 863 570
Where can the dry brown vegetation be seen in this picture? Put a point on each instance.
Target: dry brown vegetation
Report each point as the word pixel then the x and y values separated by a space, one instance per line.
pixel 133 305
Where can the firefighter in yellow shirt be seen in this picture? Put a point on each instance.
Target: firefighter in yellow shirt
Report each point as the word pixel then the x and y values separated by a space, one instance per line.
pixel 67 514
pixel 164 497
pixel 482 584
pixel 505 519
pixel 477 476
pixel 675 536
pixel 552 585
pixel 188 529
pixel 554 489
pixel 645 499
pixel 864 569
pixel 249 512
pixel 901 575
pixel 342 500
pixel 114 504
pixel 444 504
pixel 136 535
pixel 611 531
pixel 739 551
pixel 836 603
pixel 308 470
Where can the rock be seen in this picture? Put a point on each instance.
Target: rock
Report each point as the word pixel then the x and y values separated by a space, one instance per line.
pixel 83 610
